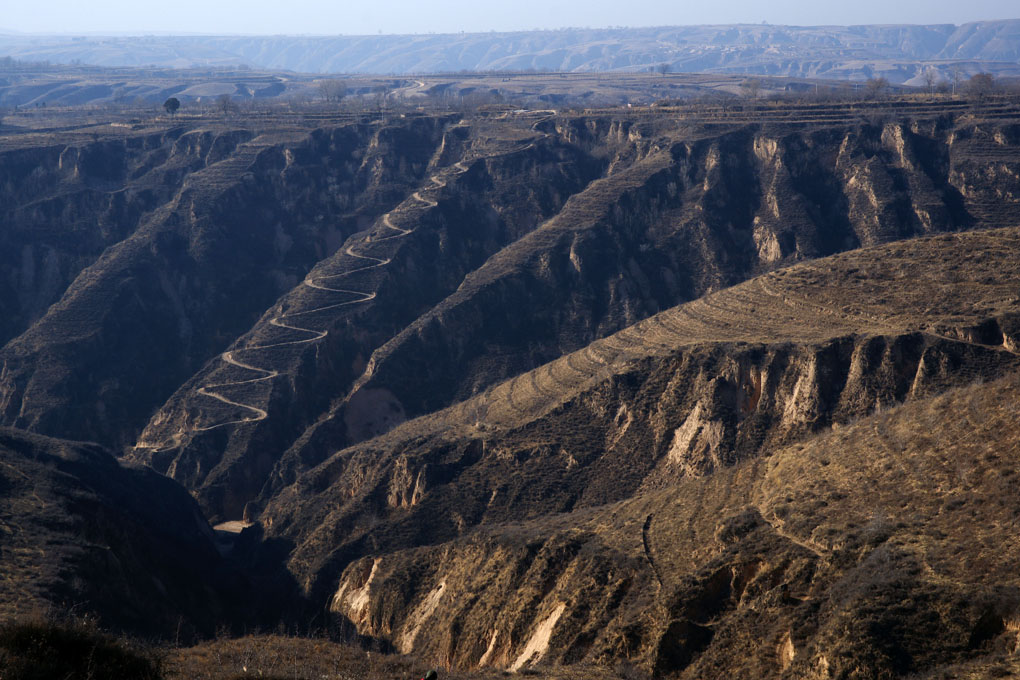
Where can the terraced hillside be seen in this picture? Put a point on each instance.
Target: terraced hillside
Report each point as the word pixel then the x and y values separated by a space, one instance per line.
pixel 881 549
pixel 737 469
pixel 237 301
pixel 671 214
pixel 524 388
pixel 26 87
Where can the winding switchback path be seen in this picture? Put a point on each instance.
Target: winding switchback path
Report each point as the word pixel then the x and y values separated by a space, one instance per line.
pixel 287 321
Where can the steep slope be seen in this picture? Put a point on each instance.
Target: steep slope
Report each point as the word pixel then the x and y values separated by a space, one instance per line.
pixel 875 550
pixel 81 533
pixel 713 394
pixel 66 202
pixel 218 433
pixel 287 286
pixel 676 214
pixel 685 394
pixel 690 219
pixel 245 225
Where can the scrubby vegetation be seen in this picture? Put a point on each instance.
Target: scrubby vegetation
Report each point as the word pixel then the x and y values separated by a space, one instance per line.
pixel 41 649
pixel 76 649
pixel 297 658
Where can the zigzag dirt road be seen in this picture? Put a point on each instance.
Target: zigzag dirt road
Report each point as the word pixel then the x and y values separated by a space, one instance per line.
pixel 213 391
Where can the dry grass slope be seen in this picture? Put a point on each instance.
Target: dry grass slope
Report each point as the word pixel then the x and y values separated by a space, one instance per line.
pixel 871 550
pixel 532 476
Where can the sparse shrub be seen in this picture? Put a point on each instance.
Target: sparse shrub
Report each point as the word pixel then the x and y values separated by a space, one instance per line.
pixel 751 88
pixel 44 650
pixel 628 671
pixel 225 104
pixel 876 87
pixel 981 85
pixel 735 527
pixel 332 91
pixel 877 530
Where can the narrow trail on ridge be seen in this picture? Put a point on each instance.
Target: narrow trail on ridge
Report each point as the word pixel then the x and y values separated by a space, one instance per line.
pixel 314 335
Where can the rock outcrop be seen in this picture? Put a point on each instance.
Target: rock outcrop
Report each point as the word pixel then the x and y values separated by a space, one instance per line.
pixel 666 222
pixel 505 502
pixel 854 554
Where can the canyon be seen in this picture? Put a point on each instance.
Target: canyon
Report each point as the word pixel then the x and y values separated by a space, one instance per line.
pixel 695 389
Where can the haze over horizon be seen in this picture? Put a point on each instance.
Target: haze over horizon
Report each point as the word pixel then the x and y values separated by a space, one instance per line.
pixel 316 17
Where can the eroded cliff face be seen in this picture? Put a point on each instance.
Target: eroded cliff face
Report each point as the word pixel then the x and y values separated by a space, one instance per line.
pixel 472 378
pixel 853 555
pixel 677 223
pixel 232 235
pixel 364 274
pixel 668 222
pixel 686 395
pixel 65 204
pixel 317 341
pixel 687 414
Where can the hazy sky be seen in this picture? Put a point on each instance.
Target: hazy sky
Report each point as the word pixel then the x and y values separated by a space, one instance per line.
pixel 423 16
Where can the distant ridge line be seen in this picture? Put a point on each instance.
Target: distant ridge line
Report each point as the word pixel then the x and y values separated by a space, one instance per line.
pixel 898 52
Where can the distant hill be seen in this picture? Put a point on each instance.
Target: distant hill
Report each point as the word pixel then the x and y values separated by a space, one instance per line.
pixel 897 52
